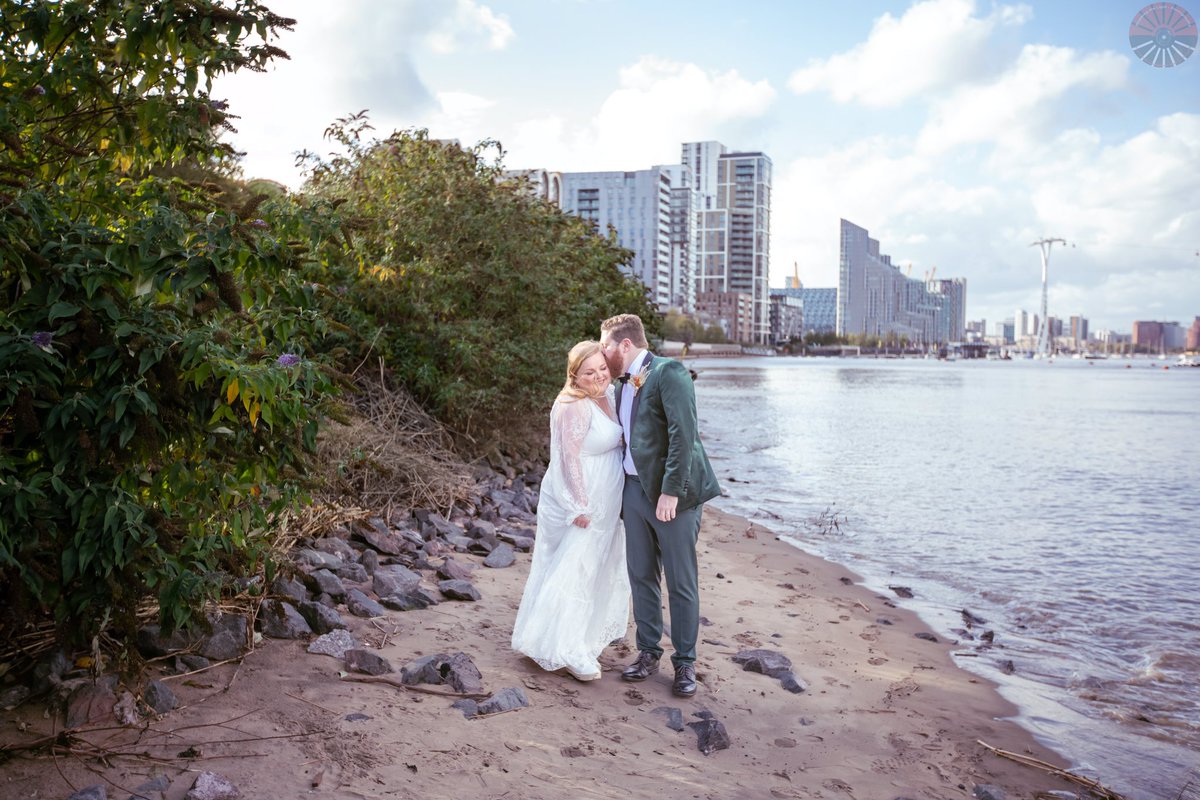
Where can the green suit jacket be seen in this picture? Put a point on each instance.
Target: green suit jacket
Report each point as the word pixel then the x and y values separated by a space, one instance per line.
pixel 663 440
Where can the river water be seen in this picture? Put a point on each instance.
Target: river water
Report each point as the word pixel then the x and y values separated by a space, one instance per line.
pixel 1057 500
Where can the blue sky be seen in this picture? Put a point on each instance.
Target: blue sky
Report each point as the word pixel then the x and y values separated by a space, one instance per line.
pixel 957 132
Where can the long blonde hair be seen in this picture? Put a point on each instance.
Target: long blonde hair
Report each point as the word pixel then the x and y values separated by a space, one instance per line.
pixel 580 353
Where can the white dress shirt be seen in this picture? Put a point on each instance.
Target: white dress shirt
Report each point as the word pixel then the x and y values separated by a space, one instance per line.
pixel 625 412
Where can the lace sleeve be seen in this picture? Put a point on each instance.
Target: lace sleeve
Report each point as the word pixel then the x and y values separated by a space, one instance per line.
pixel 569 423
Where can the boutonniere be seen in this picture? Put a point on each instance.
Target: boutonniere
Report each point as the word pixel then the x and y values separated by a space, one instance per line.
pixel 639 379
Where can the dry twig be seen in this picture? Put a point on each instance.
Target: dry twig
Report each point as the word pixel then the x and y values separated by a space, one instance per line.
pixel 1093 786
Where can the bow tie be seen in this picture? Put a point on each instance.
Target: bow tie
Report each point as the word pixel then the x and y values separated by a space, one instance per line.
pixel 624 378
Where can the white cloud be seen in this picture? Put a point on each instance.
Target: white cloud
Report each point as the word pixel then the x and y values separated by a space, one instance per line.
pixel 1017 104
pixel 470 24
pixel 934 44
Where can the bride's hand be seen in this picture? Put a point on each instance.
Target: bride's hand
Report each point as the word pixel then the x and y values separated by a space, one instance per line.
pixel 582 521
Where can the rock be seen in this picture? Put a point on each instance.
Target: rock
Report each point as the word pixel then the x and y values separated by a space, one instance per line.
pixel 126 709
pixel 362 606
pixel 321 618
pixel 97 792
pixel 521 543
pixel 355 573
pixel 988 636
pixel 434 524
pixel 290 588
pixel 459 590
pixel 90 703
pixel 451 570
pixel 11 698
pixel 50 668
pixel 710 735
pixel 767 662
pixel 986 791
pixel 157 786
pixel 481 547
pixel 1007 666
pixel 467 706
pixel 504 700
pixel 929 637
pixel 315 558
pixel 972 619
pixel 674 717
pixel 457 671
pixel 382 539
pixel 460 543
pixel 190 662
pixel 481 527
pixel 153 643
pixel 394 579
pixel 328 583
pixel 281 620
pixel 222 646
pixel 370 561
pixel 211 786
pixel 366 662
pixel 356 717
pixel 159 697
pixel 412 600
pixel 337 547
pixel 902 591
pixel 793 684
pixel 502 556
pixel 335 643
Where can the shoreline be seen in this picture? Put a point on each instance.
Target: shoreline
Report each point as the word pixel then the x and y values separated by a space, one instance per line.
pixel 884 713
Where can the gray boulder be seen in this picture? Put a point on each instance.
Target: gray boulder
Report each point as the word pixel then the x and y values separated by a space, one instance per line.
pixel 281 620
pixel 320 617
pixel 355 573
pixel 411 600
pixel 710 735
pixel 504 700
pixel 96 792
pixel 501 557
pixel 456 670
pixel 362 606
pixel 459 590
pixel 159 697
pixel 366 662
pixel 674 717
pixel 452 570
pixel 211 786
pixel 335 643
pixel 768 662
pixel 289 587
pixel 328 583
pixel 394 579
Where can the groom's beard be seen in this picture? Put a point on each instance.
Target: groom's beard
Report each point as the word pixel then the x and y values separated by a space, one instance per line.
pixel 615 367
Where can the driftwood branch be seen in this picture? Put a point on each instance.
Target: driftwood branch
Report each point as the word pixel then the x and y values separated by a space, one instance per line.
pixel 1093 786
pixel 423 689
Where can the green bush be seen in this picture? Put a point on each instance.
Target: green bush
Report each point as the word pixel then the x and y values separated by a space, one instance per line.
pixel 155 340
pixel 470 289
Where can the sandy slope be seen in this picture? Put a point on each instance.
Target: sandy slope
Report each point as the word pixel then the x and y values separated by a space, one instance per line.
pixel 886 714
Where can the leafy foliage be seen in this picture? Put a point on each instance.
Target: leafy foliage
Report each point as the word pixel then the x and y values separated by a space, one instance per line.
pixel 471 289
pixel 158 390
pixel 682 328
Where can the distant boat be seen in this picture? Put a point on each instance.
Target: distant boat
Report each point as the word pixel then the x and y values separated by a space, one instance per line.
pixel 1189 360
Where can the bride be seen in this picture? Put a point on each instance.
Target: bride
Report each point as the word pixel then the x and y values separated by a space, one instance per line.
pixel 576 597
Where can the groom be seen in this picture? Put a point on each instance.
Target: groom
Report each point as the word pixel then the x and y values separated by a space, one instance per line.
pixel 667 479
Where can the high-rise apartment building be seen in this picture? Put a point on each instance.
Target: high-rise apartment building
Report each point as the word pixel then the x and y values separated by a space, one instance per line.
pixel 876 298
pixel 1078 331
pixel 638 206
pixel 734 227
pixel 684 211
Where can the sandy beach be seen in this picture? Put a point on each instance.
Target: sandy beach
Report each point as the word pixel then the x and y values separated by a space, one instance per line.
pixel 885 714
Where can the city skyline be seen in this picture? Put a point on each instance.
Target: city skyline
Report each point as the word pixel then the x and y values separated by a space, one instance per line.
pixel 957 131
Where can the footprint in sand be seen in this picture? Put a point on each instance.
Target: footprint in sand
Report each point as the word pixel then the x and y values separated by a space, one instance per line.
pixel 634 698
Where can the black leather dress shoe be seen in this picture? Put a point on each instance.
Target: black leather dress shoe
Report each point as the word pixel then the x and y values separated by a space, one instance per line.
pixel 685 681
pixel 645 666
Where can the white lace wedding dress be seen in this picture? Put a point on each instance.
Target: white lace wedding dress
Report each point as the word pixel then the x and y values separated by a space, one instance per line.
pixel 577 597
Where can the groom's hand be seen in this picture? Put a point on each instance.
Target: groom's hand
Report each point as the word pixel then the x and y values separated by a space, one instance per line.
pixel 666 507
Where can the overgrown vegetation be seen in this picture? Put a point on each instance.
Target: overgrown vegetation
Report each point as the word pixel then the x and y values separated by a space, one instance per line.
pixel 469 289
pixel 157 391
pixel 170 339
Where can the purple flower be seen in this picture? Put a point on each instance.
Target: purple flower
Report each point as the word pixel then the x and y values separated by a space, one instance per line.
pixel 258 223
pixel 43 339
pixel 287 360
